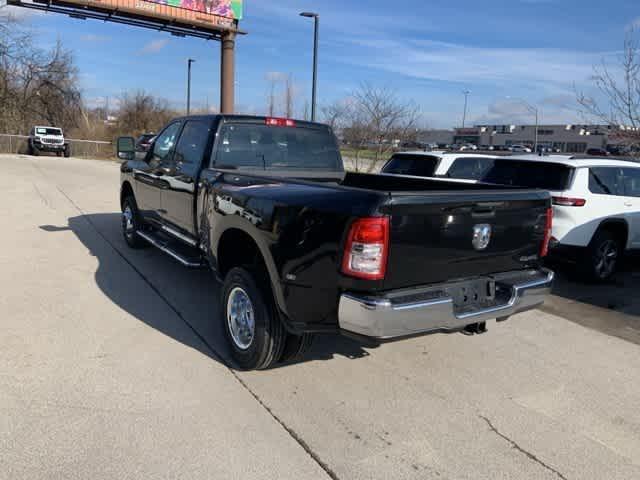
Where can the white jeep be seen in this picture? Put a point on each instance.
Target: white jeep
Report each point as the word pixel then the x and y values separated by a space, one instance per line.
pixel 48 139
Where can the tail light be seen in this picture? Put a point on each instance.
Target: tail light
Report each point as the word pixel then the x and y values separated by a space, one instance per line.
pixel 367 249
pixel 548 224
pixel 568 202
pixel 280 122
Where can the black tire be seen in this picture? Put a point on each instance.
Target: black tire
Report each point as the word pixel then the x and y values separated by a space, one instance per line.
pixel 129 230
pixel 34 151
pixel 261 348
pixel 296 346
pixel 67 151
pixel 603 255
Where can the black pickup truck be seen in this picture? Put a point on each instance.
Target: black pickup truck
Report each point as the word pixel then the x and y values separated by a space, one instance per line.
pixel 303 247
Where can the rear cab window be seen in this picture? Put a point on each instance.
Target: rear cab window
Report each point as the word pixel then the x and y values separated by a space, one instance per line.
pixel 530 174
pixel 278 148
pixel 407 164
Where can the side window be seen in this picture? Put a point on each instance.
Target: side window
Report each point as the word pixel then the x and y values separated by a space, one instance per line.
pixel 631 182
pixel 192 143
pixel 163 146
pixel 470 168
pixel 605 181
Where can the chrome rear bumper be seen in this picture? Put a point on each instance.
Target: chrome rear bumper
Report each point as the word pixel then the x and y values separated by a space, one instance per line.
pixel 430 309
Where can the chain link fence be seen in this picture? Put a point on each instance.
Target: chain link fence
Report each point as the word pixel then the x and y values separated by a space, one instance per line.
pixel 18 144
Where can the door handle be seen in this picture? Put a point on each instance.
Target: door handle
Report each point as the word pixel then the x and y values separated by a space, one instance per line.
pixel 628 204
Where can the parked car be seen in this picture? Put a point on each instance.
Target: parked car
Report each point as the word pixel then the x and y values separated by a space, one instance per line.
pixel 468 146
pixel 48 139
pixel 304 248
pixel 143 142
pixel 597 152
pixel 520 149
pixel 501 148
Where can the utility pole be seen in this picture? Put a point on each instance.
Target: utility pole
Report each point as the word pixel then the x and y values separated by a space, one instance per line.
pixel 535 144
pixel 466 98
pixel 189 62
pixel 227 73
pixel 316 26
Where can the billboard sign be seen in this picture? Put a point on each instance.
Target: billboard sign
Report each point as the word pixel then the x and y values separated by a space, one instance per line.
pixel 207 14
pixel 223 8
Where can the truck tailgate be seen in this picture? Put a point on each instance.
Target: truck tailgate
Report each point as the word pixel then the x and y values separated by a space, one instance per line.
pixel 432 234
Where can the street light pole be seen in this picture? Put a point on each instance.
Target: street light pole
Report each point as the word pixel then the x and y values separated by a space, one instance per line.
pixel 189 62
pixel 464 115
pixel 316 27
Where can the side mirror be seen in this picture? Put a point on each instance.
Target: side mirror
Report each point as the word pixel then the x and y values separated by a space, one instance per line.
pixel 126 147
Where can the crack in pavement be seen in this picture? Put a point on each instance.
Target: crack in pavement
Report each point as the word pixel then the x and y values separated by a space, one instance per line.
pixel 292 433
pixel 514 445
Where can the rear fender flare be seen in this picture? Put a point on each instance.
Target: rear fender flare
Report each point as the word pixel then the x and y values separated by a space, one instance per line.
pixel 223 224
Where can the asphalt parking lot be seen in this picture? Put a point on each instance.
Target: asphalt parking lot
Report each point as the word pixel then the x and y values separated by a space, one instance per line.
pixel 113 366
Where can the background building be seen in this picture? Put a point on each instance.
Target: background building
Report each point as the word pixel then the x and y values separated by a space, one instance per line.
pixel 562 138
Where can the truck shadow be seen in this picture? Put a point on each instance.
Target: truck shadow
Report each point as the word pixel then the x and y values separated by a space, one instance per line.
pixel 179 302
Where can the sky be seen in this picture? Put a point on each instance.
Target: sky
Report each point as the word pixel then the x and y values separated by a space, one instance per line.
pixel 428 52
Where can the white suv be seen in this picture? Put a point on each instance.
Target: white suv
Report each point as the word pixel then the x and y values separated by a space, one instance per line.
pixel 48 139
pixel 596 205
pixel 459 165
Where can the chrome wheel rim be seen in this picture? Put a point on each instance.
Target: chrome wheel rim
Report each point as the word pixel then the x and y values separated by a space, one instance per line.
pixel 240 318
pixel 127 221
pixel 606 258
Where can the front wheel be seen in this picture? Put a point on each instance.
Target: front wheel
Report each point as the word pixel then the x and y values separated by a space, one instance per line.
pixel 603 255
pixel 252 326
pixel 67 151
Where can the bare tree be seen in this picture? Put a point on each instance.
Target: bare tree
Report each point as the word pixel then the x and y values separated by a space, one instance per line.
pixel 36 86
pixel 305 111
pixel 380 120
pixel 620 88
pixel 289 96
pixel 336 114
pixel 272 97
pixel 141 112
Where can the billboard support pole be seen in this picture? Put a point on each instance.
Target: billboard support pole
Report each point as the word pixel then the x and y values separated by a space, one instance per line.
pixel 227 72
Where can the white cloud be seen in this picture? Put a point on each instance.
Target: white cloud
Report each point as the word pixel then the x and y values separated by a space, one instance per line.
pixel 153 46
pixel 546 68
pixel 95 38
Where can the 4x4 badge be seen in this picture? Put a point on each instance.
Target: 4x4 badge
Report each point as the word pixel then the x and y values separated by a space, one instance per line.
pixel 481 236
